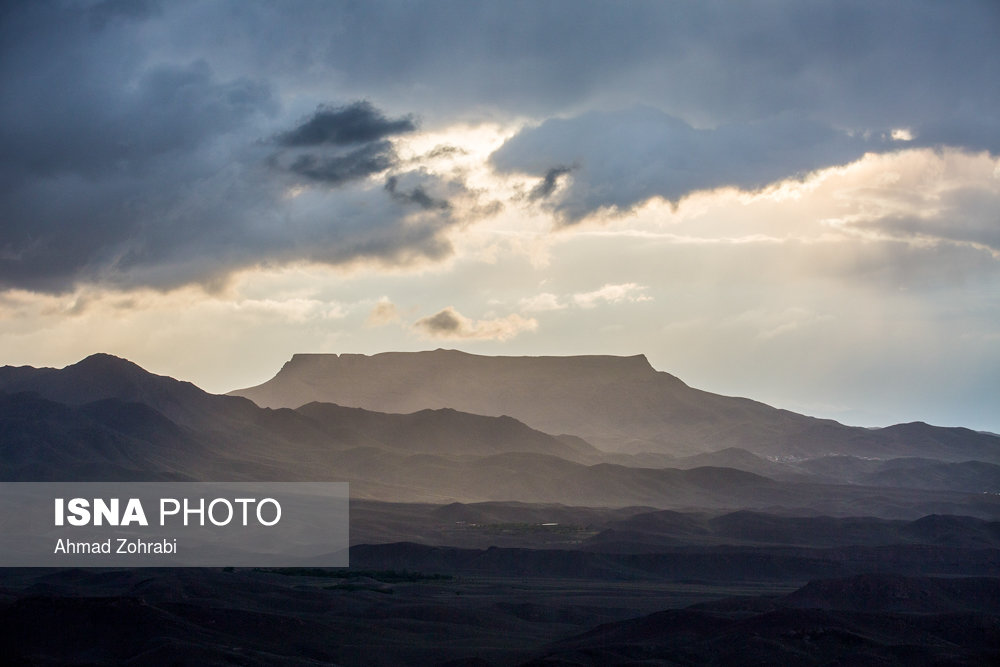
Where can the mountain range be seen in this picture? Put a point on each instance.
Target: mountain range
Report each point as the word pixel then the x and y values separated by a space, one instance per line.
pixel 619 404
pixel 107 418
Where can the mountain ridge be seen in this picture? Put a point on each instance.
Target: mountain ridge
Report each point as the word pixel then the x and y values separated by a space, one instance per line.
pixel 114 403
pixel 436 455
pixel 619 404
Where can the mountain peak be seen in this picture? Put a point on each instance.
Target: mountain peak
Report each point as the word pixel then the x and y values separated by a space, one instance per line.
pixel 103 376
pixel 115 377
pixel 102 362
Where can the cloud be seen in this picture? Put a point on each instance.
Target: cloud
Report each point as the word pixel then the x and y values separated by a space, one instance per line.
pixel 445 151
pixel 353 141
pixel 102 13
pixel 627 157
pixel 128 179
pixel 110 130
pixel 296 310
pixel 125 172
pixel 112 165
pixel 125 166
pixel 357 123
pixel 548 183
pixel 417 196
pixel 622 293
pixel 384 312
pixel 341 168
pixel 858 65
pixel 608 293
pixel 451 324
pixel 164 144
pixel 913 219
pixel 919 215
pixel 542 302
pixel 964 214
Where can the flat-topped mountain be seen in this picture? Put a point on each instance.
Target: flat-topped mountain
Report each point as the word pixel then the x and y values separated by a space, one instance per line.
pixel 620 404
pixel 584 394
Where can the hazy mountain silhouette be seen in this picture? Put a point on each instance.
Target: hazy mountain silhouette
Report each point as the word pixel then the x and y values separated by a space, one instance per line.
pixel 446 431
pixel 912 472
pixel 741 459
pixel 107 440
pixel 102 376
pixel 161 427
pixel 616 403
pixel 106 413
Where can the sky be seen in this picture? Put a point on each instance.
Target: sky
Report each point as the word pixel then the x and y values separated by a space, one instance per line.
pixel 797 202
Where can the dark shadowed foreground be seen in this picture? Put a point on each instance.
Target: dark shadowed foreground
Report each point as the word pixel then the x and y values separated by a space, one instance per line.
pixel 379 617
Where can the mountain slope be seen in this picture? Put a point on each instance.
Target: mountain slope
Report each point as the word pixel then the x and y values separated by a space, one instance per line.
pixel 433 455
pixel 616 403
pixel 107 440
pixel 102 376
pixel 108 411
pixel 446 431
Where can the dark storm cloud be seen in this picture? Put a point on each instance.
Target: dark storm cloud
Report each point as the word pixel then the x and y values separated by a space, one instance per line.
pixel 338 169
pixel 109 10
pixel 156 144
pixel 120 169
pixel 848 64
pixel 340 144
pixel 358 123
pixel 417 196
pixel 84 127
pixel 624 158
pixel 368 226
pixel 721 70
pixel 108 167
pixel 549 183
